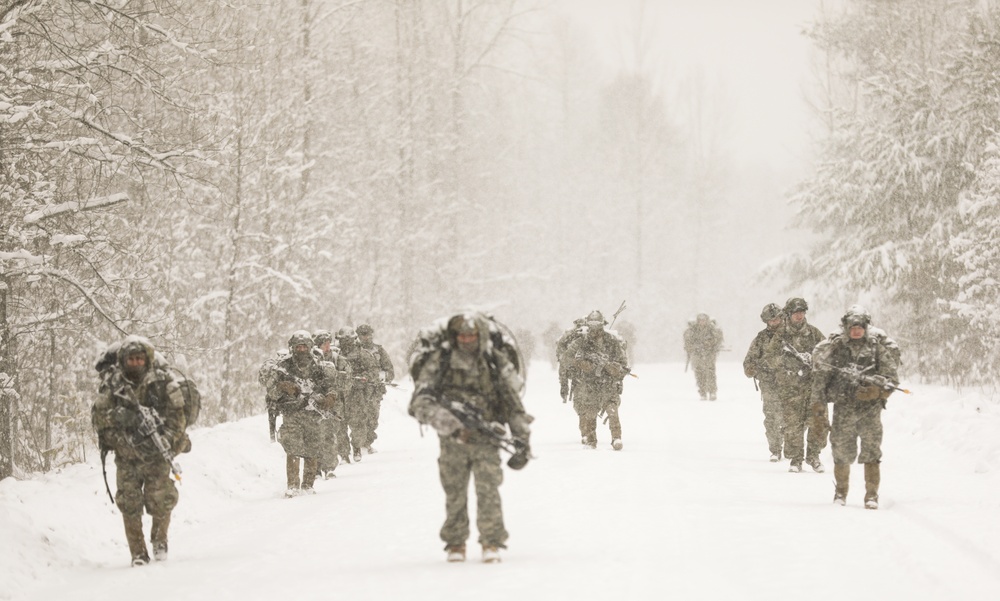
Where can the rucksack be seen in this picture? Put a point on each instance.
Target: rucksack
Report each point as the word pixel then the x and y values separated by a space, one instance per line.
pixel 436 337
pixel 192 396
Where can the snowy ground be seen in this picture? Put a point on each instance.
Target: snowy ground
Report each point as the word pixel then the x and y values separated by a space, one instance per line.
pixel 690 509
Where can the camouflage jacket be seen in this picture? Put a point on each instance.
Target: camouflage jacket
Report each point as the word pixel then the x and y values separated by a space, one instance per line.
pixel 300 389
pixel 792 373
pixel 703 341
pixel 116 415
pixel 755 364
pixel 868 355
pixel 598 361
pixel 382 359
pixel 488 382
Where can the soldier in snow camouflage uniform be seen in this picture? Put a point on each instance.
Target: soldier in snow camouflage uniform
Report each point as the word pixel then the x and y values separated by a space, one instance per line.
pixel 303 396
pixel 339 375
pixel 755 366
pixel 364 378
pixel 564 362
pixel 598 365
pixel 702 343
pixel 143 473
pixel 466 367
pixel 385 375
pixel 857 407
pixel 788 355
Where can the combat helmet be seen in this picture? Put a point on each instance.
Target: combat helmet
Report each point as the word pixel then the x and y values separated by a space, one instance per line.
pixel 300 337
pixel 364 330
pixel 769 312
pixel 856 315
pixel 346 333
pixel 321 337
pixel 795 304
pixel 596 318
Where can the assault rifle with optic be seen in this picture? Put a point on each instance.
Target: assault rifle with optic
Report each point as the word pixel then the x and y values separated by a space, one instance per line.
pixel 601 360
pixel 472 418
pixel 856 376
pixel 151 425
pixel 804 358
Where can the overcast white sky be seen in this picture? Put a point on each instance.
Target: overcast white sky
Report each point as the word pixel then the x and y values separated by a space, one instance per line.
pixel 751 53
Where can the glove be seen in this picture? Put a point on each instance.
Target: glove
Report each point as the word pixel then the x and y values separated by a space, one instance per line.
pixel 183 445
pixel 750 371
pixel 564 390
pixel 444 422
pixel 585 366
pixel 614 369
pixel 288 388
pixel 327 402
pixel 867 393
pixel 884 394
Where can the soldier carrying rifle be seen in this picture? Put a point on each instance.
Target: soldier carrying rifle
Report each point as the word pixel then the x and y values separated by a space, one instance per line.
pixel 856 370
pixel 599 362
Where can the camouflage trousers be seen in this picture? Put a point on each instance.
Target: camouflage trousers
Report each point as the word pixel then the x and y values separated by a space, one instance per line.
pixel 796 416
pixel 773 421
pixel 704 374
pixel 300 434
pixel 456 463
pixel 591 401
pixel 330 445
pixel 852 421
pixel 355 432
pixel 144 484
pixel 372 410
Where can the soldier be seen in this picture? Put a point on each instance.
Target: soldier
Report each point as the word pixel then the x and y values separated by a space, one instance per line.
pixel 364 376
pixel 599 366
pixel 472 365
pixel 755 366
pixel 859 349
pixel 385 375
pixel 788 355
pixel 303 397
pixel 565 371
pixel 339 373
pixel 702 343
pixel 139 415
pixel 267 377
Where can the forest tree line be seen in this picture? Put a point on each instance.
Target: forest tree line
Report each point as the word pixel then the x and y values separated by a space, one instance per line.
pixel 215 175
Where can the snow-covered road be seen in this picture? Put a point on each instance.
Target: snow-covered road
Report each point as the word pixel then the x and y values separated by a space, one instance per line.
pixel 690 509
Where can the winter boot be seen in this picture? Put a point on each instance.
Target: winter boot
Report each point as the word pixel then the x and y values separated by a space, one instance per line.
pixel 616 444
pixel 158 536
pixel 841 477
pixel 873 475
pixel 816 464
pixel 310 467
pixel 795 467
pixel 136 541
pixel 491 554
pixel 456 553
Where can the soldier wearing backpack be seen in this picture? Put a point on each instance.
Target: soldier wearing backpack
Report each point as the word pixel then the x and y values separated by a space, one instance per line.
pixel 141 415
pixel 467 369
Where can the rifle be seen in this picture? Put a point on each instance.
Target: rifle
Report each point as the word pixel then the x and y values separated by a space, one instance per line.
pixel 857 376
pixel 600 360
pixel 804 358
pixel 617 313
pixel 472 418
pixel 151 425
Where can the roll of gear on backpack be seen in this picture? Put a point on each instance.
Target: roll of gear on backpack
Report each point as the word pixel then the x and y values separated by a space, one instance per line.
pixel 502 341
pixel 192 405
